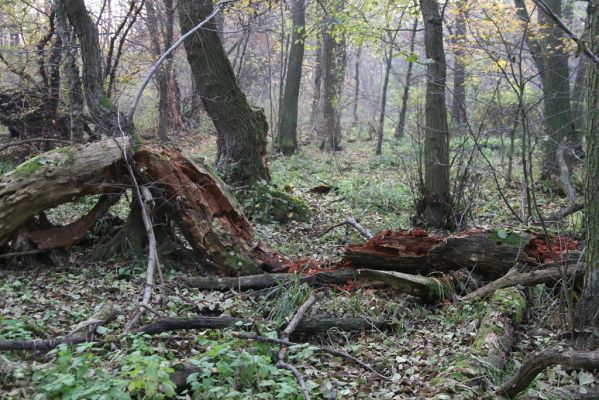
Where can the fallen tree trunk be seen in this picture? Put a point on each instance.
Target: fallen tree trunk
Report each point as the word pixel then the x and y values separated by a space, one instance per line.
pixel 262 281
pixel 488 253
pixel 54 178
pixel 189 195
pixel 571 359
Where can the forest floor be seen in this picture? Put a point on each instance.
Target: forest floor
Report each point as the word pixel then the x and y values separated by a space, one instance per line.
pixel 422 345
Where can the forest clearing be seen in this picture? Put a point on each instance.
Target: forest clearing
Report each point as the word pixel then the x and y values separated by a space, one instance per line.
pixel 327 200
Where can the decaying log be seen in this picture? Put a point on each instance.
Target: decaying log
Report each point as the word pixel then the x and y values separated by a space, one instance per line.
pixel 54 178
pixel 488 253
pixel 262 281
pixel 514 278
pixel 429 289
pixel 571 359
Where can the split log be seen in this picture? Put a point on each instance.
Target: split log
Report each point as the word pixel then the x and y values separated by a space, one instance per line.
pixel 262 281
pixel 571 359
pixel 429 289
pixel 488 253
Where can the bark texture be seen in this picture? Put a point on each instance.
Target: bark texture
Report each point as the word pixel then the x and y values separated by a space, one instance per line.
pixel 287 139
pixel 435 207
pixel 588 309
pixel 241 154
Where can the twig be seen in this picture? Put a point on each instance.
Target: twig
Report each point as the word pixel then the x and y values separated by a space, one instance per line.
pixel 26 141
pixel 289 329
pixel 351 222
pixel 324 349
pixel 21 253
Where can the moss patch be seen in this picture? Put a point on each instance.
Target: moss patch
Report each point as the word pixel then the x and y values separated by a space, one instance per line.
pixel 266 204
pixel 61 156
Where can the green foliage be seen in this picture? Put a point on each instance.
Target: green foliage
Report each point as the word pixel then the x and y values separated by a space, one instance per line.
pixel 11 329
pixel 77 374
pixel 232 369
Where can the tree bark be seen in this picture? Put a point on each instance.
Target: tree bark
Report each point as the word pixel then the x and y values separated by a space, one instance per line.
pixel 356 87
pixel 101 108
pixel 382 116
pixel 287 138
pixel 242 131
pixel 458 108
pixel 588 307
pixel 401 124
pixel 435 208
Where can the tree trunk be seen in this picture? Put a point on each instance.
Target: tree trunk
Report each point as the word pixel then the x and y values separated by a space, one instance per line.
pixel 287 139
pixel 356 87
pixel 333 74
pixel 579 103
pixel 242 131
pixel 401 125
pixel 72 78
pixel 435 208
pixel 101 108
pixel 382 116
pixel 588 308
pixel 458 108
pixel 316 109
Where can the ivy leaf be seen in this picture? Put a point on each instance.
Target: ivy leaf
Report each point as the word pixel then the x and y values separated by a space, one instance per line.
pixel 502 233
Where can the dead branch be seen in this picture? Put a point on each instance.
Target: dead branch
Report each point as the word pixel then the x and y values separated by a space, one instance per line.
pixel 262 281
pixel 513 278
pixel 83 332
pixel 563 213
pixel 324 349
pixel 289 329
pixel 571 359
pixel 429 289
pixel 33 140
pixel 351 222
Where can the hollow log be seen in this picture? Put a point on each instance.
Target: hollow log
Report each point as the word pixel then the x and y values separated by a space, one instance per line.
pixel 488 253
pixel 262 281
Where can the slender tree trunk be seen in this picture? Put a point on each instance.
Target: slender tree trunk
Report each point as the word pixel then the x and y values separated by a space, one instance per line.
pixel 333 74
pixel 458 108
pixel 435 204
pixel 381 129
pixel 316 109
pixel 356 87
pixel 287 139
pixel 242 131
pixel 588 308
pixel 579 103
pixel 401 125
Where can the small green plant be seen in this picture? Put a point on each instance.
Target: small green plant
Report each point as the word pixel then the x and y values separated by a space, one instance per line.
pixel 77 373
pixel 233 369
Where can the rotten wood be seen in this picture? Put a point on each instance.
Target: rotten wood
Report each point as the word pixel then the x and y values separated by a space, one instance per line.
pixel 421 252
pixel 514 278
pixel 262 281
pixel 571 359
